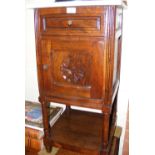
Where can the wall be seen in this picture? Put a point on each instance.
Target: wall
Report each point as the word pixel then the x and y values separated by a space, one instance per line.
pixel 123 97
pixel 31 87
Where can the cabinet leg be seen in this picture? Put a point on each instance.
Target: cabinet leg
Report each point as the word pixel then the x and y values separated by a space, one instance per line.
pixel 114 111
pixel 48 148
pixel 105 133
pixel 104 153
pixel 68 108
pixel 47 135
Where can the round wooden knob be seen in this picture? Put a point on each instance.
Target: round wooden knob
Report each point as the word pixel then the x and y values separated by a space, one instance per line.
pixel 70 22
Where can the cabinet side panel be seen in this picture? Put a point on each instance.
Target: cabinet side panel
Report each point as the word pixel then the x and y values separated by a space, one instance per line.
pixel 109 53
pixel 38 51
pixel 117 50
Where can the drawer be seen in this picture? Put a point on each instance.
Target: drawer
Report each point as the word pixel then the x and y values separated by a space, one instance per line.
pixel 71 25
pixel 92 23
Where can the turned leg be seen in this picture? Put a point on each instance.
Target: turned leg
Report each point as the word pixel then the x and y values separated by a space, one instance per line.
pixel 105 133
pixel 46 125
pixel 109 124
pixel 68 108
pixel 114 111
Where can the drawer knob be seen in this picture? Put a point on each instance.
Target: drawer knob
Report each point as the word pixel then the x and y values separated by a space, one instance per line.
pixel 70 22
pixel 45 66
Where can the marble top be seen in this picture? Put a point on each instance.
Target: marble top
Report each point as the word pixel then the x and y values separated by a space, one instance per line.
pixel 52 3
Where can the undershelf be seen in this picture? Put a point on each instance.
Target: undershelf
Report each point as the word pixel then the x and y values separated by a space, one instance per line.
pixel 113 151
pixel 78 131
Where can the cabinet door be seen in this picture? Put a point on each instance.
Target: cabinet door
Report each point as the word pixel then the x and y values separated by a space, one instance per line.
pixel 73 67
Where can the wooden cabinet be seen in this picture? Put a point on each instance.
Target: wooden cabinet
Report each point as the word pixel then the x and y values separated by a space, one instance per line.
pixel 78 59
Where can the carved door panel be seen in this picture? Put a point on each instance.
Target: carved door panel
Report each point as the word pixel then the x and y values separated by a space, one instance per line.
pixel 73 68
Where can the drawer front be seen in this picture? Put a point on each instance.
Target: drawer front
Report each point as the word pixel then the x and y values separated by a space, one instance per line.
pixel 71 25
pixel 83 22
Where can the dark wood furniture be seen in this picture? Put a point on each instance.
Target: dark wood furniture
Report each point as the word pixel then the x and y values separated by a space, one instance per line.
pixel 78 60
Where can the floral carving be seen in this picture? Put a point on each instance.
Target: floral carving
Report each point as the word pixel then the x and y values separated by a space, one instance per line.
pixel 73 69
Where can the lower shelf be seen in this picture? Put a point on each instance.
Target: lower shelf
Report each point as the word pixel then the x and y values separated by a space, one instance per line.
pixel 113 150
pixel 78 131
